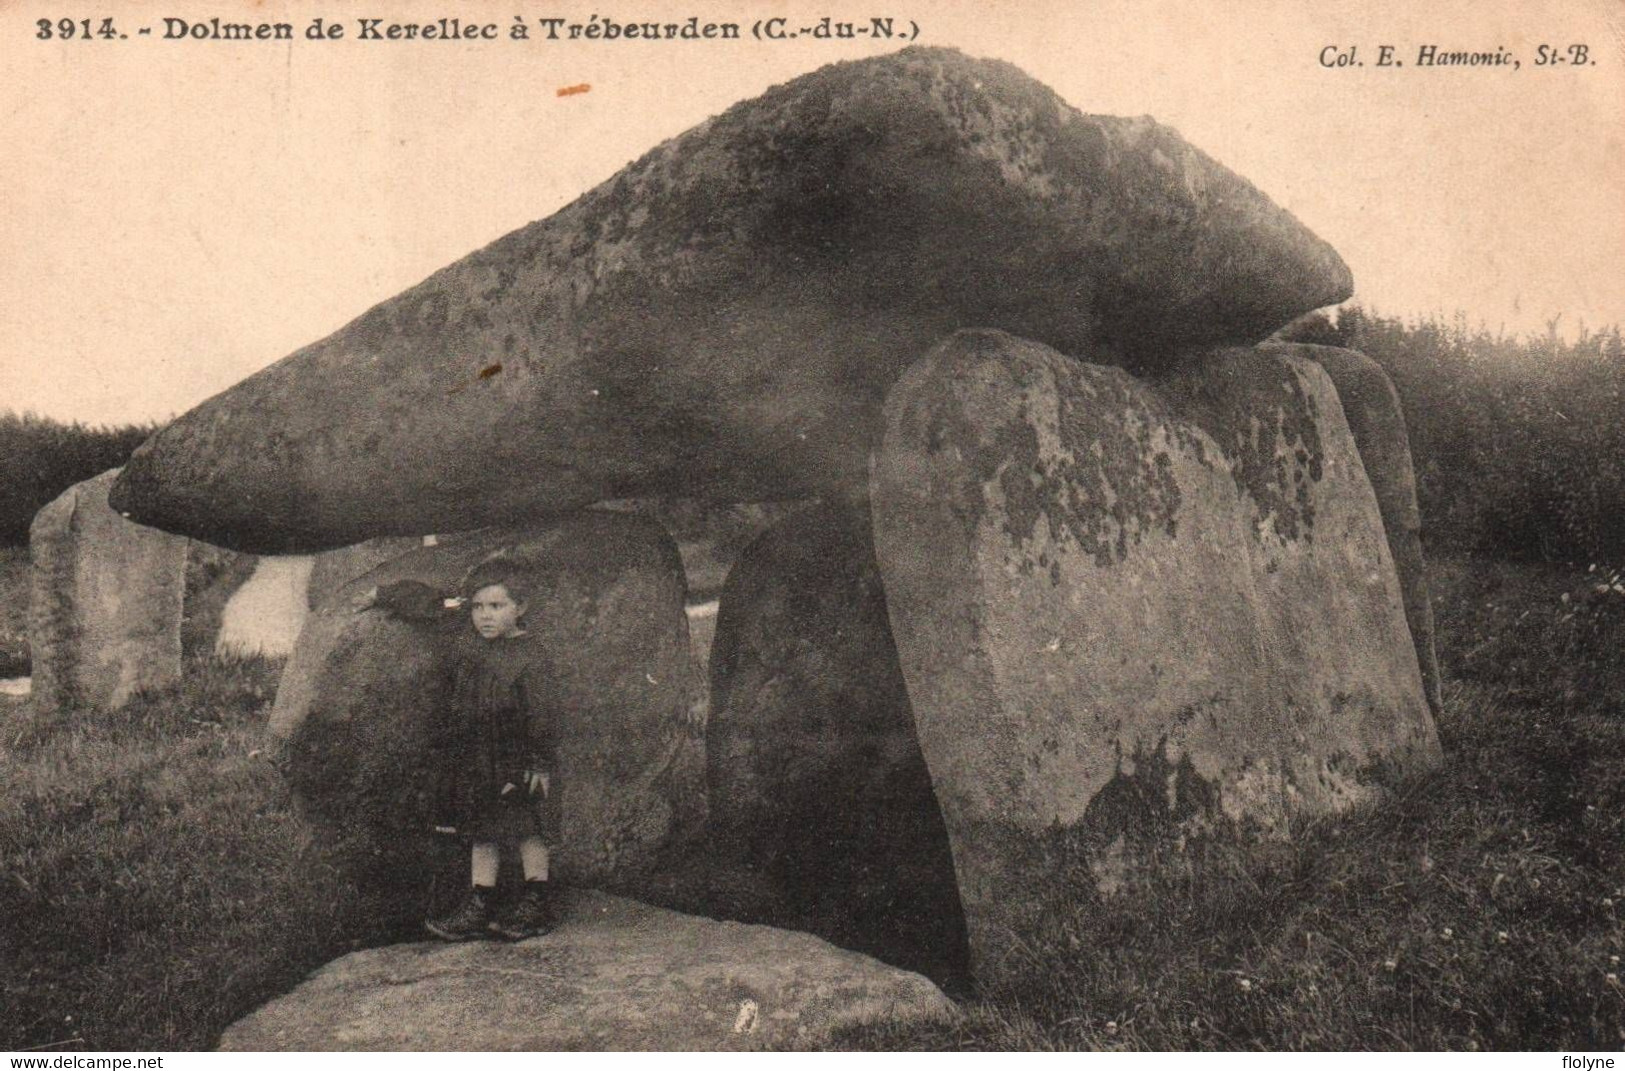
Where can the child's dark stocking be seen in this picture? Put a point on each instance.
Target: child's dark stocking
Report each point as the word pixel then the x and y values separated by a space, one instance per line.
pixel 472 917
pixel 533 913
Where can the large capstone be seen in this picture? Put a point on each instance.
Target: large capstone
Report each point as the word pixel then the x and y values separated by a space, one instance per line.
pixel 816 780
pixel 723 317
pixel 617 975
pixel 105 607
pixel 356 700
pixel 1135 619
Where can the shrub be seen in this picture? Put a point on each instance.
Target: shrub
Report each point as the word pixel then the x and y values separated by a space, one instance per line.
pixel 1518 443
pixel 41 458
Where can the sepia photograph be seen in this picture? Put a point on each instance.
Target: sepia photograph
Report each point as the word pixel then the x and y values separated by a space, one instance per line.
pixel 1044 525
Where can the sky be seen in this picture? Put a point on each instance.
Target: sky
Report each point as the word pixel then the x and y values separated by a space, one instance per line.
pixel 179 214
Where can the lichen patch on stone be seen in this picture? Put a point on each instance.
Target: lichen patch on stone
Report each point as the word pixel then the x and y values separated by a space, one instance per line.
pixel 1100 476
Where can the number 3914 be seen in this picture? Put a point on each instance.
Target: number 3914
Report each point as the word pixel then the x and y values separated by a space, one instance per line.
pixel 68 29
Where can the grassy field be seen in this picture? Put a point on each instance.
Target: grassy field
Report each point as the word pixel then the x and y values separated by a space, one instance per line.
pixel 159 882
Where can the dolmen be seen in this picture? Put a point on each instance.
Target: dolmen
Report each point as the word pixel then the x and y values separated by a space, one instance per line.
pixel 1129 578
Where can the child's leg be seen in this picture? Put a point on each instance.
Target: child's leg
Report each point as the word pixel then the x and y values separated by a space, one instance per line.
pixel 473 915
pixel 533 913
pixel 533 855
pixel 483 864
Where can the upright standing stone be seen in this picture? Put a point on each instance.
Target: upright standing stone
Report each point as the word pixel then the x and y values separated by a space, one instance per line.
pixel 1132 617
pixel 815 776
pixel 105 609
pixel 1378 423
pixel 335 568
pixel 355 701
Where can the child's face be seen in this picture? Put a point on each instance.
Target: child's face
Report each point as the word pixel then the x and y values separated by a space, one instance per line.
pixel 496 615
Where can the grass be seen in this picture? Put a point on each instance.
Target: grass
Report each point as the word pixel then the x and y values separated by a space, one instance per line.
pixel 1462 916
pixel 160 883
pixel 14 659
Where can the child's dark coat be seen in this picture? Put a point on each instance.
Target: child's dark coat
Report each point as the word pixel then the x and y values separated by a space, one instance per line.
pixel 497 724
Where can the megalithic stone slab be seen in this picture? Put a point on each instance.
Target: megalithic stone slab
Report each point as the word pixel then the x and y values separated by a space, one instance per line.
pixel 723 317
pixel 814 774
pixel 105 607
pixel 337 568
pixel 353 706
pixel 1132 617
pixel 1377 421
pixel 616 975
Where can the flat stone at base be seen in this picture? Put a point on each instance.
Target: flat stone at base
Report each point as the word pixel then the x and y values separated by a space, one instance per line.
pixel 616 975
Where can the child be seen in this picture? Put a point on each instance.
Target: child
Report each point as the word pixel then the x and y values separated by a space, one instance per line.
pixel 495 737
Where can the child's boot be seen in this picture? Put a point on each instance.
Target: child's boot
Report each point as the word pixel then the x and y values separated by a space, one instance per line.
pixel 469 920
pixel 531 915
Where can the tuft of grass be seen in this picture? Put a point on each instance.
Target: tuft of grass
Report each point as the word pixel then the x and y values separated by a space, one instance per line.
pixel 159 882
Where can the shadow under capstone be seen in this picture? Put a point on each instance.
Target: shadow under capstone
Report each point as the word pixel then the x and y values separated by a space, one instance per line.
pixel 822 814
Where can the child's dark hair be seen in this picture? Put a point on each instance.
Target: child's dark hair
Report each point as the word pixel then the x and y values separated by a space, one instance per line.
pixel 520 582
